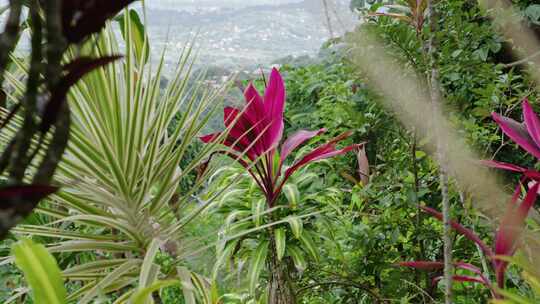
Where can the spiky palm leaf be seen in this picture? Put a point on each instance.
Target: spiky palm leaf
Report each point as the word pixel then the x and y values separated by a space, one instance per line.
pixel 122 168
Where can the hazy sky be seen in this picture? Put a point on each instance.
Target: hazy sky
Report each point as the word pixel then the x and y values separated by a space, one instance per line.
pixel 177 4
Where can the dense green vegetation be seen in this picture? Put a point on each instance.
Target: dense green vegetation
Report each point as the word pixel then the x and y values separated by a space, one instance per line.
pixel 148 213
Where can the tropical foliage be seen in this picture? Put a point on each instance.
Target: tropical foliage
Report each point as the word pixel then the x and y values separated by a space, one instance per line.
pixel 145 208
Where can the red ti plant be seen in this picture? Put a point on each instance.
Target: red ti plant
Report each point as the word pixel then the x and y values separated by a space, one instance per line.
pixel 512 224
pixel 254 136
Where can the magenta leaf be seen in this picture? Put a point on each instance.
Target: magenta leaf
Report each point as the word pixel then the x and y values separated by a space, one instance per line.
pixel 320 153
pixel 531 122
pixel 274 105
pixel 503 166
pixel 518 133
pixel 296 140
pixel 75 71
pixel 511 229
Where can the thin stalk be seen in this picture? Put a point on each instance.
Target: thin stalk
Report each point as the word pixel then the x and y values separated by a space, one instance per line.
pixel 436 104
pixel 416 189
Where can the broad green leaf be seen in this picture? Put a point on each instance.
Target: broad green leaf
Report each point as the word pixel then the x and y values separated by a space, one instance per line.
pixel 41 272
pixel 258 259
pixel 292 194
pixel 296 226
pixel 281 242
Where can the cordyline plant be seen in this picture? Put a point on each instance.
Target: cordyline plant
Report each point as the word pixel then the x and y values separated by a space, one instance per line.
pixel 512 224
pixel 254 135
pixel 38 146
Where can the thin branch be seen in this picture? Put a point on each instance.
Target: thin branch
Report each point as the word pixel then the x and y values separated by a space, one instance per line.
pixel 522 61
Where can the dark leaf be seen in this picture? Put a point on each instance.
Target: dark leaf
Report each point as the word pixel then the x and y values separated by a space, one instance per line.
pixel 81 18
pixel 75 71
pixel 16 202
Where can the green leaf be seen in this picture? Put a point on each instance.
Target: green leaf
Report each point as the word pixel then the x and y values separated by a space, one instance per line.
pixel 140 296
pixel 149 270
pixel 281 242
pixel 138 38
pixel 296 226
pixel 41 272
pixel 533 12
pixel 298 257
pixel 292 194
pixel 309 246
pixel 258 210
pixel 187 285
pixel 258 259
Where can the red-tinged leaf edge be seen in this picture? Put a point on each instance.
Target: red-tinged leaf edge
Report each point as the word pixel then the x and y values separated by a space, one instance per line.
pixel 76 70
pixel 461 230
pixel 529 173
pixel 503 166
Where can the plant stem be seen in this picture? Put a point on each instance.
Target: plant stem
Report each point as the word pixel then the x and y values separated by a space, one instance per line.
pixel 441 148
pixel 280 289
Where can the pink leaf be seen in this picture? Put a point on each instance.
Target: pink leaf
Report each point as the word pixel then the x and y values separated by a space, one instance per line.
pixel 518 133
pixel 274 105
pixel 511 228
pixel 503 166
pixel 532 122
pixel 296 140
